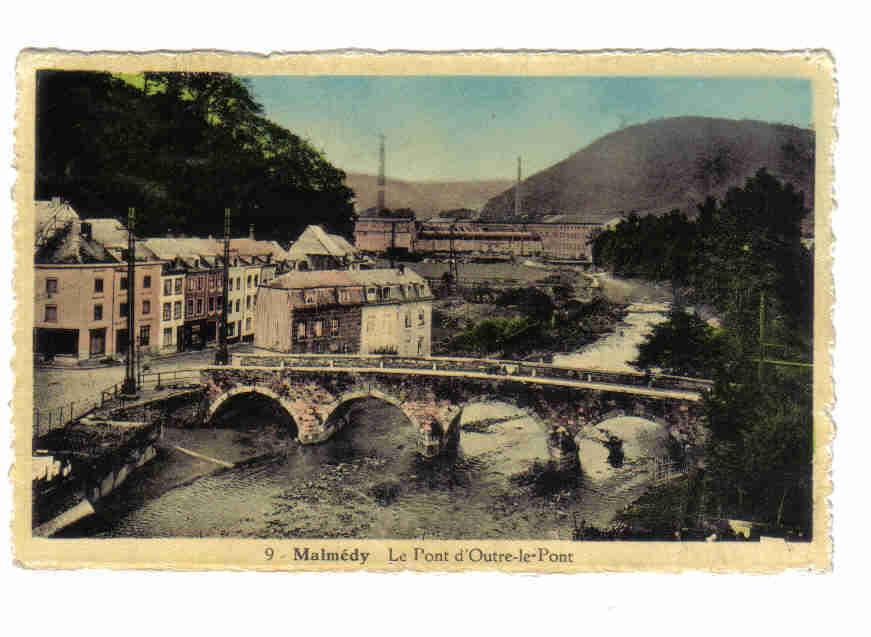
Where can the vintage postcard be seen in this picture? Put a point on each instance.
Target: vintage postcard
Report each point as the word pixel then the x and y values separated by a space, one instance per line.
pixel 443 312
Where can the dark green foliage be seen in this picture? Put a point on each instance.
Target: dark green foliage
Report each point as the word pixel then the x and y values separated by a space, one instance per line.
pixel 529 301
pixel 683 345
pixel 180 148
pixel 743 256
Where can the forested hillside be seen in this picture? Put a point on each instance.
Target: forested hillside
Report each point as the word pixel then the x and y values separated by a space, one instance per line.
pixel 663 164
pixel 180 148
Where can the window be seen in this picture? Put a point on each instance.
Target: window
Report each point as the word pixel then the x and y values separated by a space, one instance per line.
pixel 190 307
pixel 255 280
pixel 146 282
pixel 421 318
pixel 178 286
pixel 248 283
pixel 334 327
pixel 98 312
pixel 211 304
pixel 124 310
pixel 176 307
pixel 230 285
pixel 51 313
pixel 247 323
pixel 199 306
pixel 300 331
pixel 98 286
pixel 51 286
pixel 238 283
pixel 344 296
pixel 146 307
pixel 211 281
pixel 231 328
pixel 310 296
pixel 248 303
pixel 237 305
pixel 145 335
pixel 123 282
pixel 407 320
pixel 319 328
pixel 220 303
pixel 199 283
pixel 167 287
pixel 167 311
pixel 167 336
pixel 371 294
pixel 385 293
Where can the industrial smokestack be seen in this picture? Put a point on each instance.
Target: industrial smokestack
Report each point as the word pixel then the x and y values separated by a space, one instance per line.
pixel 517 190
pixel 382 178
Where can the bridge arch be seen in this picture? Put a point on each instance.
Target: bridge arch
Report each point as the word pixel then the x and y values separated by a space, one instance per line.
pixel 335 412
pixel 240 390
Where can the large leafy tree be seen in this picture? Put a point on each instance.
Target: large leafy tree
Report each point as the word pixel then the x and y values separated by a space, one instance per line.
pixel 743 256
pixel 180 147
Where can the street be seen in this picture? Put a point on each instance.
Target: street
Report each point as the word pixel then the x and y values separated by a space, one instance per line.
pixel 57 387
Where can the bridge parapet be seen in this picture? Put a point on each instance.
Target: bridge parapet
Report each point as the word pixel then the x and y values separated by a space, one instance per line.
pixel 661 382
pixel 318 396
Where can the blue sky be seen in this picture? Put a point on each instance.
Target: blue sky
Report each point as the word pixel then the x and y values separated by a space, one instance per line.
pixel 470 128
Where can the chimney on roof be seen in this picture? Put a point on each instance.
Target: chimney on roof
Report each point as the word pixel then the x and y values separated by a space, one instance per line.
pixel 55 201
pixel 251 232
pixel 86 231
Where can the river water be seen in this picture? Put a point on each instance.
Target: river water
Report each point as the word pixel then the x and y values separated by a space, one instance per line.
pixel 368 481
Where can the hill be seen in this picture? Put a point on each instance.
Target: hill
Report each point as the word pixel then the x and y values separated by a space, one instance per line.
pixel 662 165
pixel 427 198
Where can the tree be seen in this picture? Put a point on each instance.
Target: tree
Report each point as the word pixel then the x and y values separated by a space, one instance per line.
pixel 180 147
pixel 683 345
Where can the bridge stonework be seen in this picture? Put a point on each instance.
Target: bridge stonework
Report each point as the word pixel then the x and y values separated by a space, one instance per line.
pixel 318 401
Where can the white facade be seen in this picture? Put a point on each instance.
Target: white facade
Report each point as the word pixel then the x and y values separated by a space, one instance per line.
pixel 171 311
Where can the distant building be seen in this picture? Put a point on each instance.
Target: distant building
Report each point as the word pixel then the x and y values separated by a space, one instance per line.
pixel 557 239
pixel 368 312
pixel 378 234
pixel 315 249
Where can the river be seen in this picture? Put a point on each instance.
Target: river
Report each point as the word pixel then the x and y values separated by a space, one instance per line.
pixel 368 481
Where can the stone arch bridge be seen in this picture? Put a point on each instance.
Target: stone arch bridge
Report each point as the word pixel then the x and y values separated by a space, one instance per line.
pixel 318 391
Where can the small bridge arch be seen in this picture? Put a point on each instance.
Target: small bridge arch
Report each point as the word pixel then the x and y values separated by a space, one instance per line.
pixel 240 390
pixel 334 414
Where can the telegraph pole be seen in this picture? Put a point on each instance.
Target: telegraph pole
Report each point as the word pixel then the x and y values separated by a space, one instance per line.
pixel 128 388
pixel 222 356
pixel 454 269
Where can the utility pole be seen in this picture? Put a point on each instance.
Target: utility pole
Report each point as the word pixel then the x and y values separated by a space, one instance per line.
pixel 222 356
pixel 761 332
pixel 454 268
pixel 128 388
pixel 517 190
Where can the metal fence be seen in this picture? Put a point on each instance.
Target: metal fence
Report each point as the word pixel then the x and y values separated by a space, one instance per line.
pixel 45 420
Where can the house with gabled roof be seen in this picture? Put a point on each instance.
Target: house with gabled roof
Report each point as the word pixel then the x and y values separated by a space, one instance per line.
pixel 315 249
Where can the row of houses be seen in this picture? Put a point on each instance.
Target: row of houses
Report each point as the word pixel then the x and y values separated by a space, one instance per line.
pixel 320 295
